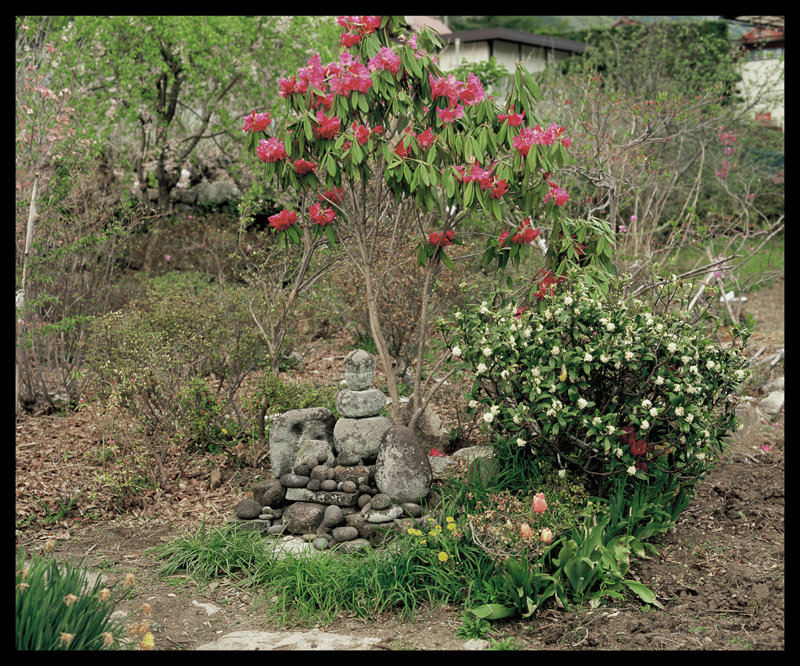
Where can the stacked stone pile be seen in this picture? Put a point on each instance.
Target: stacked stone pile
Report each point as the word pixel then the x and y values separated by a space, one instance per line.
pixel 351 481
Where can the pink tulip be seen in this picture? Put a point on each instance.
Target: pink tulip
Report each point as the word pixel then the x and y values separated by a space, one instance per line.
pixel 525 531
pixel 539 505
pixel 547 535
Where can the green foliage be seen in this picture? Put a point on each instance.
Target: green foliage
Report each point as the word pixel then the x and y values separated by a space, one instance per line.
pixel 151 359
pixel 44 612
pixel 661 57
pixel 491 72
pixel 601 383
pixel 473 627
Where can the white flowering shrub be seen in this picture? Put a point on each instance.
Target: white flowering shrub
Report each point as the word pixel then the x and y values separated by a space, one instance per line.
pixel 602 384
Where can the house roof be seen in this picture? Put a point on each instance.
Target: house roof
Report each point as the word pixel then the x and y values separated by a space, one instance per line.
pixel 770 21
pixel 517 36
pixel 418 22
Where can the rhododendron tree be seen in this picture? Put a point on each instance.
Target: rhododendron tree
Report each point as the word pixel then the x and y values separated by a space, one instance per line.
pixel 406 145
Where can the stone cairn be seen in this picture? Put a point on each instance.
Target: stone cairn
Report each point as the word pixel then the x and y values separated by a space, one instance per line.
pixel 351 481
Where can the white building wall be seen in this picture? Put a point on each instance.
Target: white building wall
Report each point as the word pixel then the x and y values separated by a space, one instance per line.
pixel 764 79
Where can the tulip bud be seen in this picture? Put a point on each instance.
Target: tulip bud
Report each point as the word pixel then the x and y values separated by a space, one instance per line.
pixel 547 535
pixel 525 531
pixel 539 505
pixel 563 376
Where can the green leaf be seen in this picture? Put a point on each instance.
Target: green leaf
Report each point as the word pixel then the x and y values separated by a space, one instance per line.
pixel 493 612
pixel 447 261
pixel 644 592
pixel 331 164
pixel 331 234
pixel 422 255
pixel 307 128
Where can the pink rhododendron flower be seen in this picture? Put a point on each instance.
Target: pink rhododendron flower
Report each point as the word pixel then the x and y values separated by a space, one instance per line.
pixel 539 505
pixel 449 114
pixel 327 128
pixel 435 452
pixel 361 132
pixel 525 233
pixel 447 86
pixel 634 218
pixel 167 257
pixel 766 448
pixel 271 150
pixel 523 141
pixel 348 39
pixel 514 119
pixel 334 195
pixel 547 535
pixel 320 216
pixel 482 176
pixel 502 238
pixel 520 310
pixel 400 149
pixel 559 195
pixel 525 531
pixel 622 228
pixel 426 138
pixel 303 167
pixel 283 220
pixel 441 238
pixel 287 86
pixel 256 122
pixel 386 58
pixel 473 91
pixel 499 188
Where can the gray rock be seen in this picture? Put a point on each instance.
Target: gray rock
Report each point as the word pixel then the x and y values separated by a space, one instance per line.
pixel 320 543
pixel 312 462
pixel 474 452
pixel 269 492
pixel 358 475
pixel 381 501
pixel 402 469
pixel 248 509
pixel 303 517
pixel 276 529
pixel 319 473
pixel 348 487
pixel 428 427
pixel 291 429
pixel 328 484
pixel 360 436
pixel 773 403
pixel 360 404
pixel 348 459
pixel 375 533
pixel 333 516
pixel 217 193
pixel 342 534
pixel 354 545
pixel 391 513
pixel 334 497
pixel 294 481
pixel 359 370
pixel 301 470
pixel 481 470
pixel 314 485
pixel 413 510
pixel 299 495
pixel 363 500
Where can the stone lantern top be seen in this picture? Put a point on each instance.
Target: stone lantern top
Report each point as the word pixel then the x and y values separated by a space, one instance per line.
pixel 359 370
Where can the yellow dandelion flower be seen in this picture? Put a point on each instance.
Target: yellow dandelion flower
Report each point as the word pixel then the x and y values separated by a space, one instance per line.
pixel 66 639
pixel 443 557
pixel 70 599
pixel 423 543
pixel 451 526
pixel 449 519
pixel 148 642
pixel 433 533
pixel 439 528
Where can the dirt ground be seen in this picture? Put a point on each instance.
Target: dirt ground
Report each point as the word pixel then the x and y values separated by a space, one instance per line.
pixel 719 574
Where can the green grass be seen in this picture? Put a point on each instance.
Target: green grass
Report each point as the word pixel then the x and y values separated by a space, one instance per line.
pixel 306 590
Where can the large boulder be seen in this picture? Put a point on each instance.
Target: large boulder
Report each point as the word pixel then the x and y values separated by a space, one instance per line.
pixel 428 426
pixel 360 436
pixel 291 429
pixel 216 194
pixel 269 492
pixel 402 470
